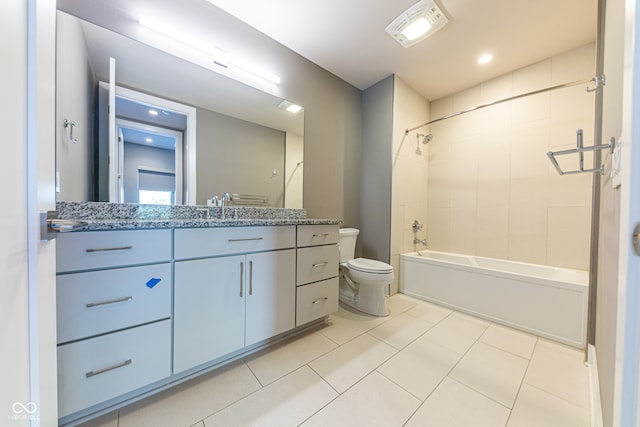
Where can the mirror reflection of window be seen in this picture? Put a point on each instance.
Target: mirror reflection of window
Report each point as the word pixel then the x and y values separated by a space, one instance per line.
pixel 156 188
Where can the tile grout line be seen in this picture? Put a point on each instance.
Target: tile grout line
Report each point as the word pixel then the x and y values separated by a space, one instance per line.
pixel 515 400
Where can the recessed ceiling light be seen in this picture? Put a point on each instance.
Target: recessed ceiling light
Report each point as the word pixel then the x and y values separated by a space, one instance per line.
pixel 485 59
pixel 153 112
pixel 290 107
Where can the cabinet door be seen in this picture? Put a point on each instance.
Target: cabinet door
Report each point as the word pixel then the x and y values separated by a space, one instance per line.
pixel 271 294
pixel 209 310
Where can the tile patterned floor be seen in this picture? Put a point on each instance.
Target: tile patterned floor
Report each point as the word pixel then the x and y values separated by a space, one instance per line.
pixel 424 365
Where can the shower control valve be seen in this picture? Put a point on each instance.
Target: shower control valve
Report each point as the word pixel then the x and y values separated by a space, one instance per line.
pixel 416 226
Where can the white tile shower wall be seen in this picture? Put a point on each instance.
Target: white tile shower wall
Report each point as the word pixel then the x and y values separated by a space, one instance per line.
pixel 491 189
pixel 410 172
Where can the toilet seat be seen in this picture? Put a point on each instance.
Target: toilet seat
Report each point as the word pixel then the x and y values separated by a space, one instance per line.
pixel 370 266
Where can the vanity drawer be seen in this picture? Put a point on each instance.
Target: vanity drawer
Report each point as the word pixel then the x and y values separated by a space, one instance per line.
pixel 98 369
pixel 100 249
pixel 316 300
pixel 96 302
pixel 207 242
pixel 317 263
pixel 313 235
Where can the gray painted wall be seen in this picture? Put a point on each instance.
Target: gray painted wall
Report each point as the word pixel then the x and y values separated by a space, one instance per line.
pixel 333 114
pixel 375 231
pixel 236 156
pixel 607 298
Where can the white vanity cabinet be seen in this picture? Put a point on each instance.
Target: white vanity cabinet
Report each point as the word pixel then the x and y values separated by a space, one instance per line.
pixel 239 290
pixel 114 314
pixel 317 272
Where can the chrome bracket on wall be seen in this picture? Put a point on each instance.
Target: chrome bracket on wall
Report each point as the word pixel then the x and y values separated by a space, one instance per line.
pixel 580 150
pixel 599 82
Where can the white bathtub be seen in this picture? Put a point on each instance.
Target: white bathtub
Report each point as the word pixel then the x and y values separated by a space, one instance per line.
pixel 546 301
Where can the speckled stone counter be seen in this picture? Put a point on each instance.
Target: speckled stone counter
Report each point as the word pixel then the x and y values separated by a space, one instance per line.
pixel 127 216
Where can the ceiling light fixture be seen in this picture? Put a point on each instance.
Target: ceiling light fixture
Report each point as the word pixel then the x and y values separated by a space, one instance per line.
pixel 290 107
pixel 485 59
pixel 417 23
pixel 153 112
pixel 220 57
pixel 148 140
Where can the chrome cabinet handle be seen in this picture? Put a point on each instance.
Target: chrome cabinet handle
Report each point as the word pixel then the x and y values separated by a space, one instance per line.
pixel 107 302
pixel 117 248
pixel 241 278
pixel 320 300
pixel 108 368
pixel 320 264
pixel 250 277
pixel 250 239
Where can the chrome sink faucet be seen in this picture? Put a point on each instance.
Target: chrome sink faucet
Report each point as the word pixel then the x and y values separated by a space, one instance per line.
pixel 223 201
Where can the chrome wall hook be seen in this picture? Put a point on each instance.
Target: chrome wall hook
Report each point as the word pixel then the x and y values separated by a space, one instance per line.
pixel 599 82
pixel 71 125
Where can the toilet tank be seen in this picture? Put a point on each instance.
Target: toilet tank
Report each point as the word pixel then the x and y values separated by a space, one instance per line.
pixel 348 237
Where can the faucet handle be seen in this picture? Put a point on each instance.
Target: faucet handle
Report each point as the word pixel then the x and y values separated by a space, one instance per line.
pixel 226 197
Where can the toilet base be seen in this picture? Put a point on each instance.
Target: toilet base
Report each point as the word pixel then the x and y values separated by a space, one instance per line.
pixel 371 301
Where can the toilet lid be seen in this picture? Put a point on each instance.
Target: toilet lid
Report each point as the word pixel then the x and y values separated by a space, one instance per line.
pixel 369 266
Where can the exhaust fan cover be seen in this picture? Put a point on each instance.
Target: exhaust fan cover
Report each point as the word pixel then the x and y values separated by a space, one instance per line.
pixel 425 13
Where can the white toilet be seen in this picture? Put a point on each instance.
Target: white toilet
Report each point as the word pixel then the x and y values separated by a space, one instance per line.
pixel 363 281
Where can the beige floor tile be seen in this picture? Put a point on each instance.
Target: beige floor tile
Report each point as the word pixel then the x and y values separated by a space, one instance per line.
pixel 286 402
pixel 535 408
pixel 430 312
pixel 367 321
pixel 374 401
pixel 341 330
pixel 561 371
pixel 420 367
pixel 399 303
pixel 107 420
pixel 401 330
pixel 456 332
pixel 351 362
pixel 192 401
pixel 275 362
pixel 198 424
pixel 492 372
pixel 509 339
pixel 454 405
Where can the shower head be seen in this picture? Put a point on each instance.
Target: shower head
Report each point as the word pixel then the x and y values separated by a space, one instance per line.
pixel 425 140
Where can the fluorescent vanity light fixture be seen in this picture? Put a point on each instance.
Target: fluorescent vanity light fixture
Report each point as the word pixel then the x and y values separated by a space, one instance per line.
pixel 290 107
pixel 417 23
pixel 220 57
pixel 485 59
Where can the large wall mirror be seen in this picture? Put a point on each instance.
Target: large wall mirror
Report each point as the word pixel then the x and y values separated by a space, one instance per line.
pixel 182 132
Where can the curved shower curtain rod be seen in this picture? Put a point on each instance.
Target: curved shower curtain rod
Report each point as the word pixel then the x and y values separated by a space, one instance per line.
pixel 599 81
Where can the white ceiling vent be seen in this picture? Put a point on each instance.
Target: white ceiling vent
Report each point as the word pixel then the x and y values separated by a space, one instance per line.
pixel 417 23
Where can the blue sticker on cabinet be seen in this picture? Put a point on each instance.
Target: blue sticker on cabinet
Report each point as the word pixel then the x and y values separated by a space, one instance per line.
pixel 152 282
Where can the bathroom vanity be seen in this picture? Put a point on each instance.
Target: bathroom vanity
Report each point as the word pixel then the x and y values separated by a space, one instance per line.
pixel 142 309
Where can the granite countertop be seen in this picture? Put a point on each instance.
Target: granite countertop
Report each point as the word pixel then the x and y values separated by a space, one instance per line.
pixel 101 216
pixel 147 224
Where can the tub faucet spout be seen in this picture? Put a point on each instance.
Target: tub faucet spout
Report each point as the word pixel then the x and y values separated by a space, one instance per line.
pixel 423 242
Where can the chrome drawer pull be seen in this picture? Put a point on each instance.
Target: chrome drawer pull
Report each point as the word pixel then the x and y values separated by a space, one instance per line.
pixel 107 302
pixel 320 235
pixel 250 239
pixel 320 300
pixel 320 264
pixel 118 248
pixel 107 369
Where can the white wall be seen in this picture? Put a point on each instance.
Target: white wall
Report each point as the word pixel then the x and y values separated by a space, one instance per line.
pixel 410 172
pixel 75 102
pixel 492 190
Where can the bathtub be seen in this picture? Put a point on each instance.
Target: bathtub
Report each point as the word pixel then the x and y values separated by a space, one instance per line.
pixel 546 301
